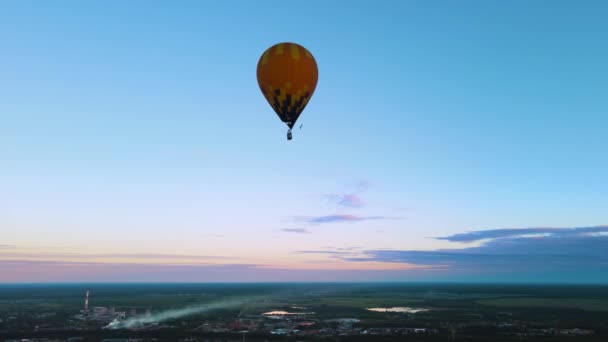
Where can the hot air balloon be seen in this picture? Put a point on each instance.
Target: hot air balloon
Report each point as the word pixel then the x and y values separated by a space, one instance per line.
pixel 287 75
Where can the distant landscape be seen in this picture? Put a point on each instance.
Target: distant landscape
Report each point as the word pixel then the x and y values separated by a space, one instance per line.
pixel 299 311
pixel 252 171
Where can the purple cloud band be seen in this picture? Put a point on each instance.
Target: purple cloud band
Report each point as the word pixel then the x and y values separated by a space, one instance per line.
pixel 337 218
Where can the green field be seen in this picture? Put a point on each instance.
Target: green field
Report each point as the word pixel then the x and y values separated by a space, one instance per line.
pixel 557 303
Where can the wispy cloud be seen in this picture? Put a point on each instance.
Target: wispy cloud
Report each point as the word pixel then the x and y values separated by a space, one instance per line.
pixel 351 199
pixel 337 218
pixel 335 253
pixel 163 256
pixel 523 232
pixel 7 247
pixel 347 200
pixel 328 252
pixel 350 248
pixel 296 230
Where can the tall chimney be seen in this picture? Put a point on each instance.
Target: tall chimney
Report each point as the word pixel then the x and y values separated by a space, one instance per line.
pixel 86 303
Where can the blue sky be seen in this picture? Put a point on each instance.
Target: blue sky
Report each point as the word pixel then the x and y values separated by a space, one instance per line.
pixel 134 133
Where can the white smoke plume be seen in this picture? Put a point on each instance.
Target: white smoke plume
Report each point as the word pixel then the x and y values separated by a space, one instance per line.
pixel 176 313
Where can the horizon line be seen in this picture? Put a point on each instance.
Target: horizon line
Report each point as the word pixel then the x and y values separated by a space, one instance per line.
pixel 529 283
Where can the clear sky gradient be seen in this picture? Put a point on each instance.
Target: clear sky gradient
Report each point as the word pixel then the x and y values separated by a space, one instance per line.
pixel 135 144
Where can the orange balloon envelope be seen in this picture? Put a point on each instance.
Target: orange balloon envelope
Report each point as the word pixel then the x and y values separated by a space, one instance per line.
pixel 287 74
